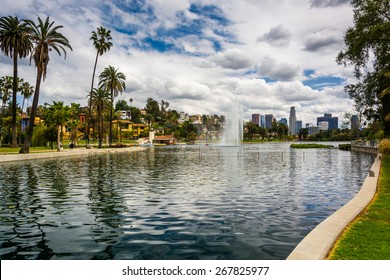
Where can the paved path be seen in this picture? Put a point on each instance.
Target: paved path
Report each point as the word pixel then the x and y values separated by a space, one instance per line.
pixel 317 244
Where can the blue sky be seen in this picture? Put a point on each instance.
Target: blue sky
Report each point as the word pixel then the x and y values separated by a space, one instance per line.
pixel 202 55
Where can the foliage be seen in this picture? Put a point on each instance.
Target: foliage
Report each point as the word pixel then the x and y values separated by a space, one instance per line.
pixel 368 49
pixel 368 237
pixel 100 101
pixel 114 82
pixel 121 105
pixel 45 37
pixel 101 40
pixel 187 131
pixel 14 42
pixel 384 146
pixel 345 147
pixel 311 146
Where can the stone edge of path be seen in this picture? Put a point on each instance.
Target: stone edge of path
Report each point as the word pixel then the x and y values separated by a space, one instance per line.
pixel 318 243
pixel 64 153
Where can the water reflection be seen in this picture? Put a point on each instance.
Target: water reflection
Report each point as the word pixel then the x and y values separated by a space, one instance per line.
pixel 249 202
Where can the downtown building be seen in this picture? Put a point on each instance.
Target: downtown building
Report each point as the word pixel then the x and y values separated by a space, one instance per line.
pixel 333 122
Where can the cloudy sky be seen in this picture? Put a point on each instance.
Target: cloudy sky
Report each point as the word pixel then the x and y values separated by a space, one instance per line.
pixel 202 55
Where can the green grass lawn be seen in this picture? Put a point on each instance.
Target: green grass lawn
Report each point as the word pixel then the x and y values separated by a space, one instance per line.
pixel 368 237
pixel 311 146
pixel 7 150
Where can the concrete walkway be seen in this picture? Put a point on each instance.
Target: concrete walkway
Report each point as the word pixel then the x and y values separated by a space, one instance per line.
pixel 317 244
pixel 64 153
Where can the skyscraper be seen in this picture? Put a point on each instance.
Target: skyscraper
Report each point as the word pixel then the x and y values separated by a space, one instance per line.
pixel 292 121
pixel 269 118
pixel 332 121
pixel 256 119
pixel 298 126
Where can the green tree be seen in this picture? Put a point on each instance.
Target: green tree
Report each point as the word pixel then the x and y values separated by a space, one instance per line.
pixel 251 130
pixel 5 89
pixel 45 37
pixel 57 115
pixel 14 42
pixel 368 49
pixel 101 39
pixel 114 82
pixel 121 105
pixel 100 100
pixel 303 133
pixel 153 110
pixel 27 90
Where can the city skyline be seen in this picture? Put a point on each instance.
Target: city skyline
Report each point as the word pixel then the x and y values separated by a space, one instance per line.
pixel 201 56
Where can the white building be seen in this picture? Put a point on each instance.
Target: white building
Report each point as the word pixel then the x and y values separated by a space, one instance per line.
pixel 323 125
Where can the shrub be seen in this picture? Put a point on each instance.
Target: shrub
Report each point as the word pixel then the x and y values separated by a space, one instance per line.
pixel 384 146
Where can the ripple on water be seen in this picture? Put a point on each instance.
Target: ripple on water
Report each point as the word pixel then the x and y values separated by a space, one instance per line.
pixel 167 203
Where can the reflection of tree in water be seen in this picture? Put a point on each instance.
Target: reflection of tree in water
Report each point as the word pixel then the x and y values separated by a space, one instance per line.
pixel 106 201
pixel 21 212
pixel 59 184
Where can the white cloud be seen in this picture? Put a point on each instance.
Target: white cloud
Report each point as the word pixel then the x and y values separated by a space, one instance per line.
pixel 226 61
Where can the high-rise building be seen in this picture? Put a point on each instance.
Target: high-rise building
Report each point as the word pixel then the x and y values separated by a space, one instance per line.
pixel 332 121
pixel 292 121
pixel 298 126
pixel 323 125
pixel 262 121
pixel 269 118
pixel 256 119
pixel 283 120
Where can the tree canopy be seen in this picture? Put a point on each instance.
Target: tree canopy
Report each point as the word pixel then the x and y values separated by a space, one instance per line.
pixel 367 48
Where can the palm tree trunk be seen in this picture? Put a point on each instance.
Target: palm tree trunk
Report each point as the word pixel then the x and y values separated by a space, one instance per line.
pixel 98 129
pixel 112 104
pixel 14 143
pixel 90 95
pixel 58 138
pixel 25 149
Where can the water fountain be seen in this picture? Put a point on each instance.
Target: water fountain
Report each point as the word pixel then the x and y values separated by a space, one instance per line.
pixel 233 132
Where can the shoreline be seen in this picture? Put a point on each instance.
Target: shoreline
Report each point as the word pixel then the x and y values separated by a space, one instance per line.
pixel 65 153
pixel 319 242
pixel 316 245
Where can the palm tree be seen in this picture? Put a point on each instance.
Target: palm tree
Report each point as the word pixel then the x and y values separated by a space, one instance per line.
pixel 57 115
pixel 14 41
pixel 112 81
pixel 45 37
pixel 27 91
pixel 100 101
pixel 101 41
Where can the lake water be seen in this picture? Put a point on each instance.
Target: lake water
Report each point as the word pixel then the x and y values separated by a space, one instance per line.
pixel 181 202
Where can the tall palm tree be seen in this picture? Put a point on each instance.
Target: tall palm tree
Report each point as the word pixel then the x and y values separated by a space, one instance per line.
pixel 45 37
pixel 57 115
pixel 101 41
pixel 14 42
pixel 100 101
pixel 27 91
pixel 114 82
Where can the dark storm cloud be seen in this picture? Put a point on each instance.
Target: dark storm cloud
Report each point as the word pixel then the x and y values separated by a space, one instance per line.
pixel 327 3
pixel 278 36
pixel 315 43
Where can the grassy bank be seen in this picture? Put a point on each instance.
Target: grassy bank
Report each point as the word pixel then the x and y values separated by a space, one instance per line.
pixel 368 237
pixel 8 150
pixel 311 146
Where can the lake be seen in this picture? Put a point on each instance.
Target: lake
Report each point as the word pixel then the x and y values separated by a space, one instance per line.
pixel 176 202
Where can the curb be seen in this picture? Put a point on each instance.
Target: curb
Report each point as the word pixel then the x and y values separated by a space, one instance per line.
pixel 318 243
pixel 67 153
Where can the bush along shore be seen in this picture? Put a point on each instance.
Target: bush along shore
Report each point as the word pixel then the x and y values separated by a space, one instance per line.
pixel 368 237
pixel 311 146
